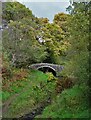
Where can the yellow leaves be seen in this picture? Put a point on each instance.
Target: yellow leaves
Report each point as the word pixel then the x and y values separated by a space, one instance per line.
pixel 66 43
pixel 60 17
pixel 50 76
pixel 11 21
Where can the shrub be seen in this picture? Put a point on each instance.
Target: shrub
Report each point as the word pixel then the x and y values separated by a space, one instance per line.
pixel 64 83
pixel 51 77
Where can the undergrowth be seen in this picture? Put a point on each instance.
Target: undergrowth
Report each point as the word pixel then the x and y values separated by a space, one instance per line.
pixel 71 103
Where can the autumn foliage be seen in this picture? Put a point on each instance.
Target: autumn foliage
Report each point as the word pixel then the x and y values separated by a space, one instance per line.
pixel 64 83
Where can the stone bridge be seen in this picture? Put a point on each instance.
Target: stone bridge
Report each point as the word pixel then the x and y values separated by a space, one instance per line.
pixel 47 67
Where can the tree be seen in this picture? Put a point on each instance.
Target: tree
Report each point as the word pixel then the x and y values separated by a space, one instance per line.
pixel 53 36
pixel 61 19
pixel 79 41
pixel 19 39
pixel 15 11
pixel 78 54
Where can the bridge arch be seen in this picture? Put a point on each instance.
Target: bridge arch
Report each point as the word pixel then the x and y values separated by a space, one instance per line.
pixel 47 69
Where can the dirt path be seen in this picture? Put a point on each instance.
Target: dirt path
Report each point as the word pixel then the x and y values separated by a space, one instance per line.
pixel 7 103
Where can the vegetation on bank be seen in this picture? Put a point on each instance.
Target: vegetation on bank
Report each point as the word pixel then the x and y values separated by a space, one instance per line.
pixel 66 43
pixel 27 94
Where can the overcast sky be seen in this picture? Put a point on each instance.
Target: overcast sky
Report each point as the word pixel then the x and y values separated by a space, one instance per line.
pixel 46 9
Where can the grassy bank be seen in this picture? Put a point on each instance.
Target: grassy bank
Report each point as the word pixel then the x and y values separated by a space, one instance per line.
pixel 26 92
pixel 71 103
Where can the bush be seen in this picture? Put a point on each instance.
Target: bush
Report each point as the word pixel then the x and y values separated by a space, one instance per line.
pixel 64 83
pixel 51 77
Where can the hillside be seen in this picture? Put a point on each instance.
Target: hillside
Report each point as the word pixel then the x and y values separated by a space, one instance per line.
pixel 29 93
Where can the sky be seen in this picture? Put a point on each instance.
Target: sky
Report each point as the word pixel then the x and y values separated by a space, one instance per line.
pixel 46 9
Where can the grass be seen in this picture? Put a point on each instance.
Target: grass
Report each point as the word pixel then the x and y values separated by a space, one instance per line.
pixel 31 91
pixel 17 85
pixel 33 87
pixel 71 103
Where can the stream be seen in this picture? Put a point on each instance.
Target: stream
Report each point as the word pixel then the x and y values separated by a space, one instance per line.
pixel 36 111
